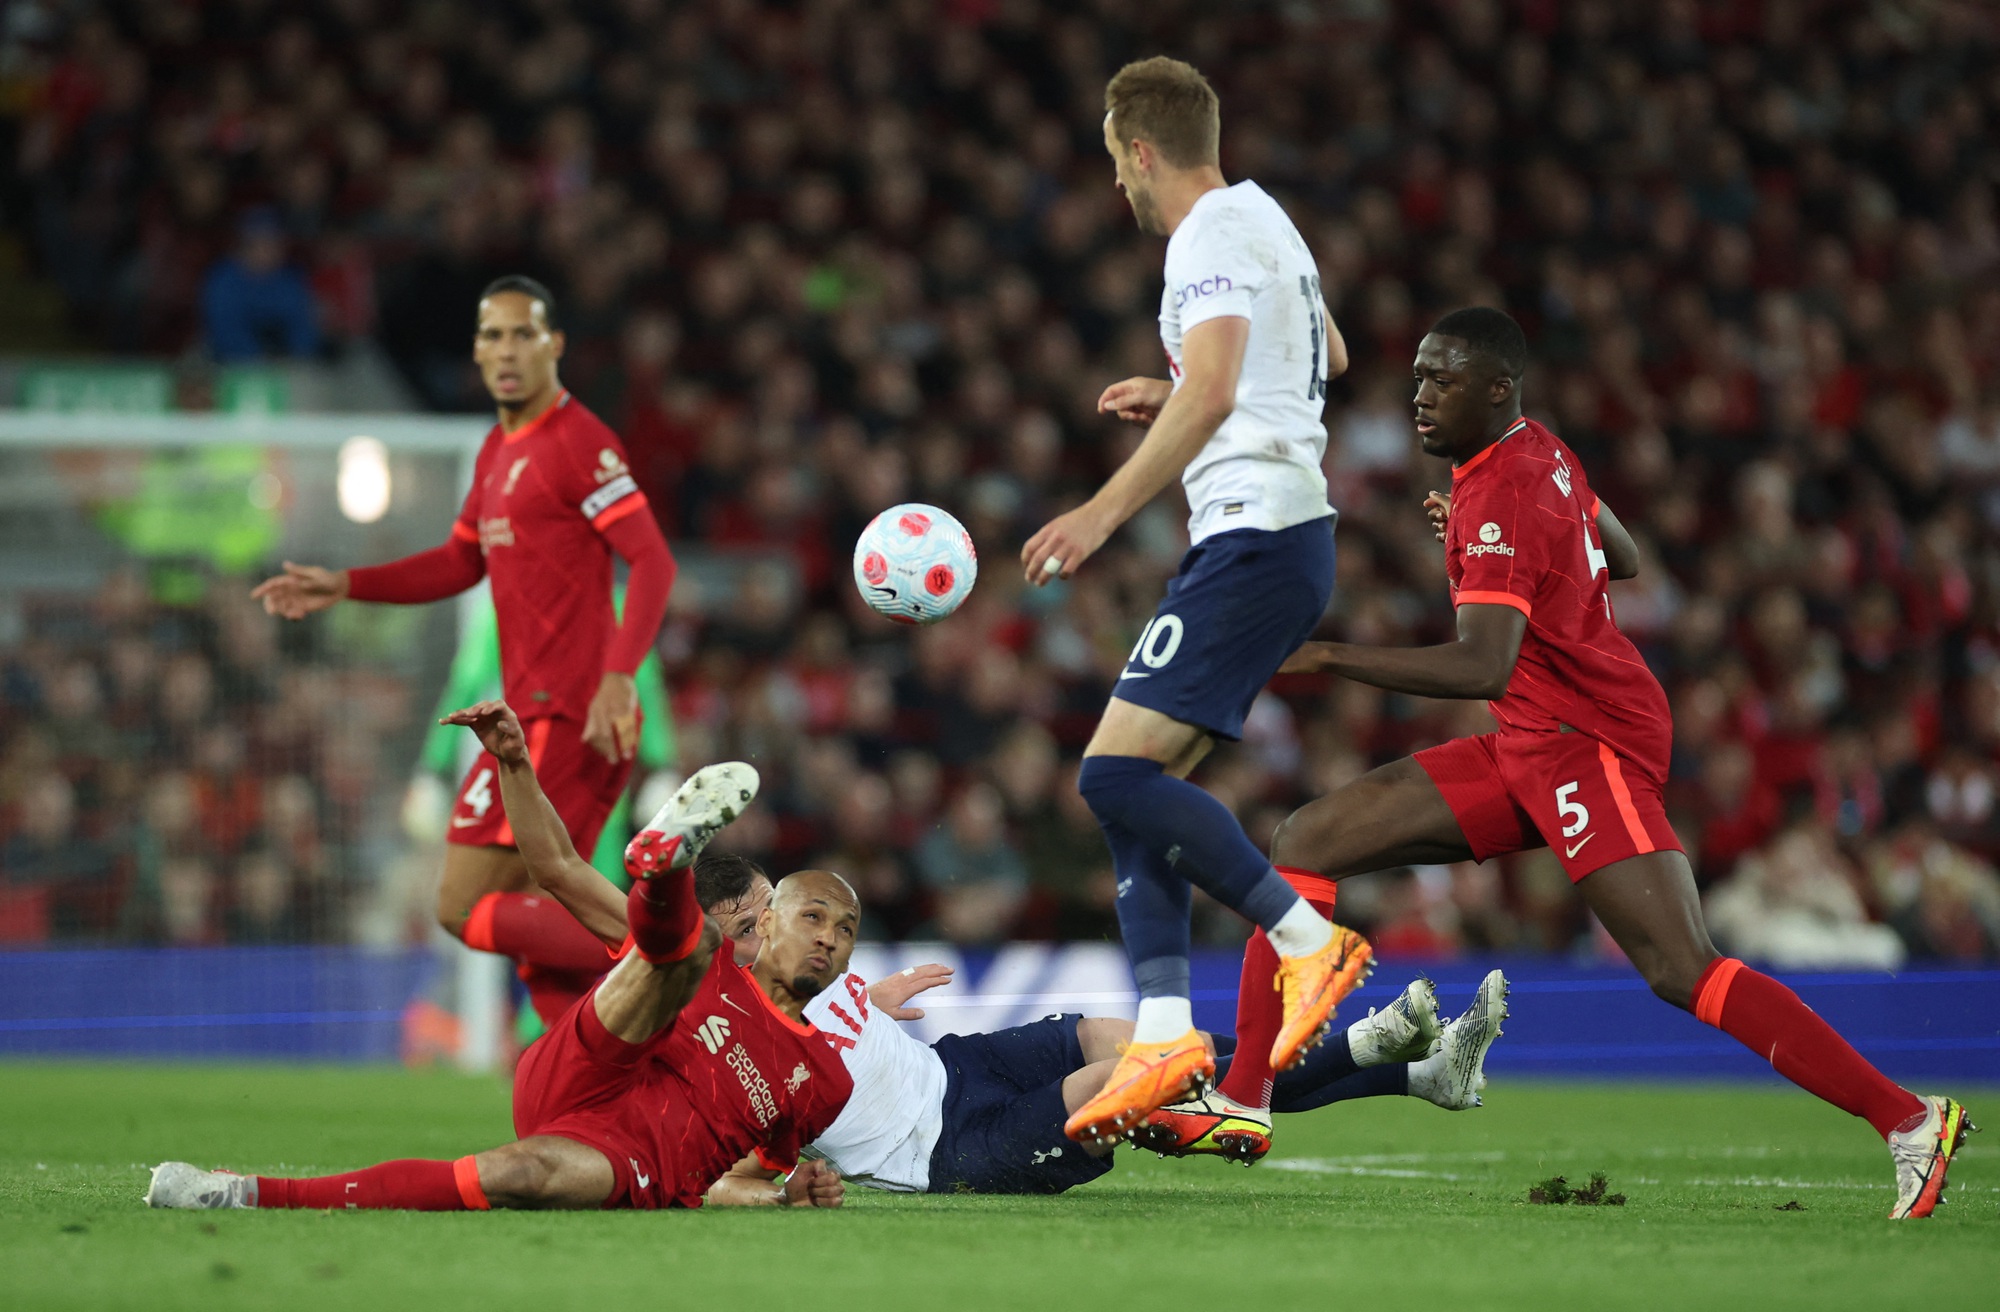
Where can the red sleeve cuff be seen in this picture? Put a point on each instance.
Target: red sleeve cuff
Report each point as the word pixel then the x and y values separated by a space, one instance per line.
pixel 771 1163
pixel 1493 599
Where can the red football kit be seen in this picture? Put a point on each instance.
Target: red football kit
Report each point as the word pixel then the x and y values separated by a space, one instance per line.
pixel 1581 757
pixel 549 504
pixel 732 1076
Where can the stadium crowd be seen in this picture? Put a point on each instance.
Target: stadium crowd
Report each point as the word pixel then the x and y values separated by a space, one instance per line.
pixel 815 258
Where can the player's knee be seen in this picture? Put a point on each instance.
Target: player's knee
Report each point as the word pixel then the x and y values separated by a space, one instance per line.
pixel 1107 783
pixel 1673 980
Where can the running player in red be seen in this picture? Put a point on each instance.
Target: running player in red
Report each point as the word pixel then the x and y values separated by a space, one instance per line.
pixel 1580 758
pixel 682 1077
pixel 551 501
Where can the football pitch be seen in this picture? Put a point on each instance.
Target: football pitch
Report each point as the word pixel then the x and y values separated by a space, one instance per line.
pixel 1384 1203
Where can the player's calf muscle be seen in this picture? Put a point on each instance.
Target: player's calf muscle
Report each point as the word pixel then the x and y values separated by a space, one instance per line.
pixel 544 1172
pixel 1390 816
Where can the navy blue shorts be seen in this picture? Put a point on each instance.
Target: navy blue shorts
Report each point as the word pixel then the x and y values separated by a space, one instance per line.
pixel 1004 1113
pixel 1242 602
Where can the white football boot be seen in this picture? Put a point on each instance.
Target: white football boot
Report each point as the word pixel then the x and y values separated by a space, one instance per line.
pixel 1922 1156
pixel 1453 1076
pixel 178 1184
pixel 712 797
pixel 1405 1030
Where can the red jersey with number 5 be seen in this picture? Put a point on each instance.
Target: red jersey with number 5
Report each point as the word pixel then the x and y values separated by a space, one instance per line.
pixel 1523 533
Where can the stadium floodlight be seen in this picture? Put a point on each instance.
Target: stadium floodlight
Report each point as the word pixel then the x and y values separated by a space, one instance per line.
pixel 363 485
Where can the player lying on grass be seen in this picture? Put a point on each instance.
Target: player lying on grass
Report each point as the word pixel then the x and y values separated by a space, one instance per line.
pixel 984 1113
pixel 674 1067
pixel 1580 758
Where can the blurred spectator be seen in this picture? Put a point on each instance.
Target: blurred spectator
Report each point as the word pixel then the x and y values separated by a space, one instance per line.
pixel 1795 905
pixel 975 875
pixel 254 305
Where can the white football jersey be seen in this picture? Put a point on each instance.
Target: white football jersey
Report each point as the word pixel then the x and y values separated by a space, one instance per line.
pixel 1237 254
pixel 884 1136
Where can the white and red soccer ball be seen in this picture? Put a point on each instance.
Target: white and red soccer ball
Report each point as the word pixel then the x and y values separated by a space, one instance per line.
pixel 915 564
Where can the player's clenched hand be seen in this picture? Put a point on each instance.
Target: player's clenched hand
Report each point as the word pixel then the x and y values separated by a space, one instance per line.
pixel 301 590
pixel 497 728
pixel 1438 506
pixel 814 1184
pixel 888 996
pixel 1064 543
pixel 611 725
pixel 1136 400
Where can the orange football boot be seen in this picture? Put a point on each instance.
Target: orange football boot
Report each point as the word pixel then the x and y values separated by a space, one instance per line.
pixel 1313 986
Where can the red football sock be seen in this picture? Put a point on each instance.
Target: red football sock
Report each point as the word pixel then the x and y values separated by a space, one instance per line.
pixel 663 915
pixel 1770 1020
pixel 553 992
pixel 1260 1009
pixel 419 1186
pixel 535 931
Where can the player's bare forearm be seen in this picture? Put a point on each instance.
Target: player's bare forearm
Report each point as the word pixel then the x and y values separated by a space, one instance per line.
pixel 1185 424
pixel 746 1184
pixel 1621 553
pixel 552 859
pixel 1478 665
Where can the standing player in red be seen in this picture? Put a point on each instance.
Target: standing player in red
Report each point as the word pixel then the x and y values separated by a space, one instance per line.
pixel 681 1078
pixel 1580 758
pixel 551 500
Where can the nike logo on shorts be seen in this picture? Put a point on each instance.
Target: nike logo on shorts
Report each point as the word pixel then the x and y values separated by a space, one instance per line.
pixel 1571 852
pixel 1130 674
pixel 460 822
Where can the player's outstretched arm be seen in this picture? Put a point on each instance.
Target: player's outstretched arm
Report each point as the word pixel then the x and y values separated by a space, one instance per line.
pixel 1477 665
pixel 1621 553
pixel 300 590
pixel 1211 363
pixel 538 831
pixel 749 1183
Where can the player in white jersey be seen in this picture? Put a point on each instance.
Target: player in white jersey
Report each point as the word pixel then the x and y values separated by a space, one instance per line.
pixel 1251 349
pixel 983 1113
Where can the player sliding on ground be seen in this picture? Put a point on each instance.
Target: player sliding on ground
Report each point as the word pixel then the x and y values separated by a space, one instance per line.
pixel 678 1065
pixel 984 1113
pixel 1581 755
pixel 551 502
pixel 1251 348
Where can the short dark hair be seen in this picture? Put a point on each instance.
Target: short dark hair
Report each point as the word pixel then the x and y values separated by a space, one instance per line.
pixel 721 877
pixel 1169 104
pixel 1488 332
pixel 528 287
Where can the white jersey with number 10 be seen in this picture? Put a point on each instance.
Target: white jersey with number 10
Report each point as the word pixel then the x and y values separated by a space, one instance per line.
pixel 1236 254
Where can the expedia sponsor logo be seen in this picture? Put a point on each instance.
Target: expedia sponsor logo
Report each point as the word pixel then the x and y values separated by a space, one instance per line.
pixel 497 532
pixel 609 495
pixel 609 465
pixel 1194 291
pixel 1489 543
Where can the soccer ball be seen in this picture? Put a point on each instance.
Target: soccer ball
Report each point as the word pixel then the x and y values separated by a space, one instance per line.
pixel 915 564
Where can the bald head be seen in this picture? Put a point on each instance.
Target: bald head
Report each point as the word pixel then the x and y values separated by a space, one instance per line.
pixel 808 931
pixel 818 885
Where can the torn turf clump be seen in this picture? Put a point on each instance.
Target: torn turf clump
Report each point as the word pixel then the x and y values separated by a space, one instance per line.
pixel 1557 1192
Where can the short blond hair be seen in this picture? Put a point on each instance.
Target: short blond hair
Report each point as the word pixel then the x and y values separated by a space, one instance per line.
pixel 1170 105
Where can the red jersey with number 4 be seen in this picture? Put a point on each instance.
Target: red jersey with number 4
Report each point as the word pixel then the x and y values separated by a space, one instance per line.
pixel 541 497
pixel 1523 533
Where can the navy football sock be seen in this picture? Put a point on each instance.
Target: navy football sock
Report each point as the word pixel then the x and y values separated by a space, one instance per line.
pixel 1153 909
pixel 1190 831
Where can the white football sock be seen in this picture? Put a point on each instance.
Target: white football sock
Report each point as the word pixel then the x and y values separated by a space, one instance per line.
pixel 1301 932
pixel 1161 1019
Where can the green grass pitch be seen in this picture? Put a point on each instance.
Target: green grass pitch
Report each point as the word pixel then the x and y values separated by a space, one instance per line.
pixel 1381 1204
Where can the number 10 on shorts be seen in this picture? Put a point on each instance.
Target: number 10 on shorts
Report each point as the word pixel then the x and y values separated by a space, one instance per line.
pixel 1574 814
pixel 1157 645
